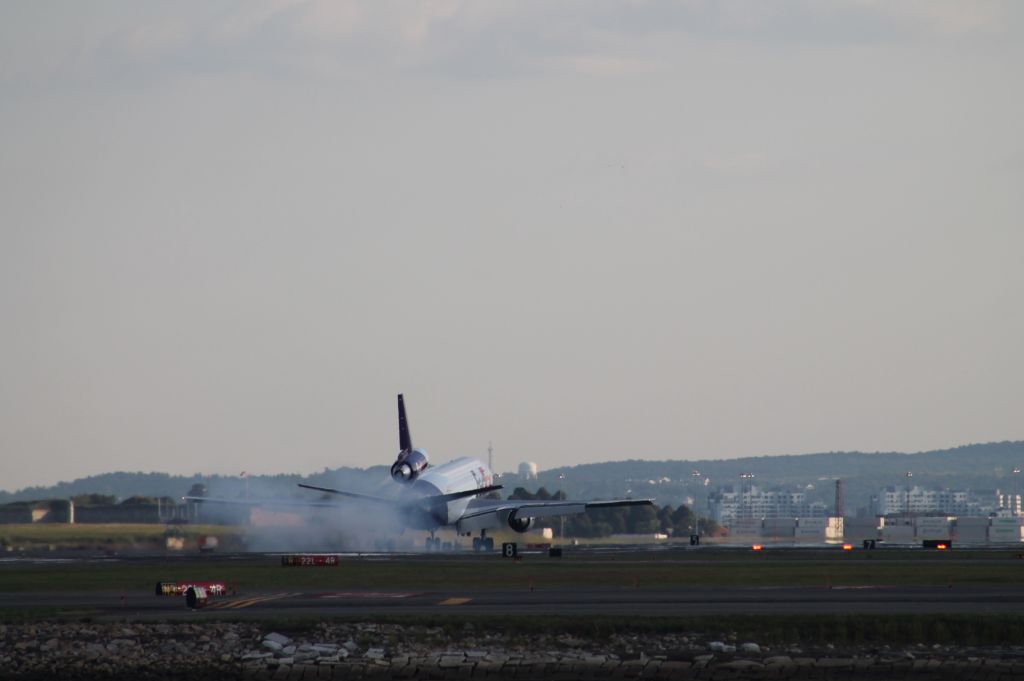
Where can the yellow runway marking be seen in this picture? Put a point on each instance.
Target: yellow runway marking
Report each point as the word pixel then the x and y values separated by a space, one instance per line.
pixel 246 602
pixel 455 601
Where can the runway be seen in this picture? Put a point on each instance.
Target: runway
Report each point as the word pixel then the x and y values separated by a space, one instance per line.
pixel 634 583
pixel 498 602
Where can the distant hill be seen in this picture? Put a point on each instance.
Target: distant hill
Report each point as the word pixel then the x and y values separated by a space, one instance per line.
pixel 974 467
pixel 980 467
pixel 123 485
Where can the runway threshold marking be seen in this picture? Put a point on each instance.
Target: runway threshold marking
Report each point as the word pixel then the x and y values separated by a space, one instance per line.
pixel 455 601
pixel 246 602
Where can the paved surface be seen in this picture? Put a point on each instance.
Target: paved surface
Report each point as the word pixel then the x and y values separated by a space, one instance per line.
pixel 508 601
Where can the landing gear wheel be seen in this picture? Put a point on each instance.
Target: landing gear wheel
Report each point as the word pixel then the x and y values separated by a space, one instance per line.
pixel 477 544
pixel 488 543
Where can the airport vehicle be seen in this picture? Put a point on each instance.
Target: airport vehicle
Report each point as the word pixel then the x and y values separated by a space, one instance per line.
pixel 452 495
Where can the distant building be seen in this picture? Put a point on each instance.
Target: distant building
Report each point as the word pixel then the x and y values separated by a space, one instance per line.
pixel 895 500
pixel 729 503
pixel 1008 504
pixel 528 470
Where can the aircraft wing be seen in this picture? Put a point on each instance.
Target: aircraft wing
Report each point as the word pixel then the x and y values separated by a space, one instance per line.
pixel 484 513
pixel 284 503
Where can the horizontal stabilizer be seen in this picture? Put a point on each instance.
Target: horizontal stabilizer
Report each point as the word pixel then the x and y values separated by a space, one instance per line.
pixel 353 495
pixel 416 501
pixel 285 503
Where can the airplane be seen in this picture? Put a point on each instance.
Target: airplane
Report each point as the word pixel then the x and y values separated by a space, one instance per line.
pixel 451 495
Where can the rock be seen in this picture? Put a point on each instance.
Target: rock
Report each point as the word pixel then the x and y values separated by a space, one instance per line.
pixel 288 650
pixel 256 656
pixel 350 646
pixel 742 665
pixel 374 654
pixel 450 660
pixel 750 648
pixel 273 645
pixel 716 647
pixel 280 639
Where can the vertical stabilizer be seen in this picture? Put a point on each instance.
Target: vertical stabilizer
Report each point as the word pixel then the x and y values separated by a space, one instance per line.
pixel 404 440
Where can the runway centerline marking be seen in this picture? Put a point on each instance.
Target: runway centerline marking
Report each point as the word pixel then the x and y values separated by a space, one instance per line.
pixel 368 594
pixel 455 601
pixel 246 602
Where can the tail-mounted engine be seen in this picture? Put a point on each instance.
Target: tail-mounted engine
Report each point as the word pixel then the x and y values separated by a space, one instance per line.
pixel 519 524
pixel 411 462
pixel 409 465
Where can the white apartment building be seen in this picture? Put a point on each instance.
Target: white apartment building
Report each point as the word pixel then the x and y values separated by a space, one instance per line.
pixel 729 503
pixel 895 500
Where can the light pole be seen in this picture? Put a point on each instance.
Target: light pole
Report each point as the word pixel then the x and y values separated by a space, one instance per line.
pixel 1014 504
pixel 561 497
pixel 910 474
pixel 744 500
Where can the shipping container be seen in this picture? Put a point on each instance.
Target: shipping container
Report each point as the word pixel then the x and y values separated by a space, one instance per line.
pixel 1000 536
pixel 972 521
pixel 971 535
pixel 745 527
pixel 851 528
pixel 933 521
pixel 898 533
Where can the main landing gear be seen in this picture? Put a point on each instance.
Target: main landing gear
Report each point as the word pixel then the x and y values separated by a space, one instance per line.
pixel 433 543
pixel 483 542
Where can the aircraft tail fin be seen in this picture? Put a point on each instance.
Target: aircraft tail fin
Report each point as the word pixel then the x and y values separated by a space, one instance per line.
pixel 404 439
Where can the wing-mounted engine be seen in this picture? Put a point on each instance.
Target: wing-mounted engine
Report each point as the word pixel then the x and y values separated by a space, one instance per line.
pixel 519 524
pixel 409 465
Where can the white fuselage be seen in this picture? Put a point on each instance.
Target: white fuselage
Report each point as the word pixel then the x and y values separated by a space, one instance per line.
pixel 458 475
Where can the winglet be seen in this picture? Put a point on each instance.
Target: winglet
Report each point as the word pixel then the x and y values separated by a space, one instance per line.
pixel 404 439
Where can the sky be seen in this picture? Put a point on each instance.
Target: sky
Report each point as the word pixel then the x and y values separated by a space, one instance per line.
pixel 231 233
